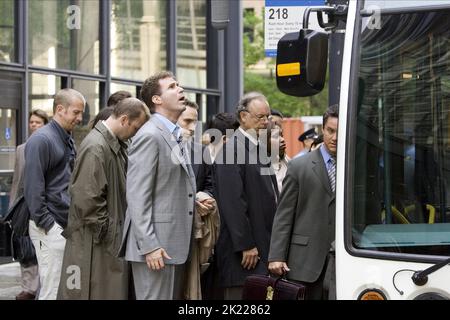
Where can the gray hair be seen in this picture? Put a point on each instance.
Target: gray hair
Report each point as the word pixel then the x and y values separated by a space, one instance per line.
pixel 66 97
pixel 246 100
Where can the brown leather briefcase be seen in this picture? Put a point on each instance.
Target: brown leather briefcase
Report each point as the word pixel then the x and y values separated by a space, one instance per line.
pixel 265 287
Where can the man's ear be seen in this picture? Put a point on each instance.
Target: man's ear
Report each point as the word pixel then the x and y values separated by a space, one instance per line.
pixel 59 108
pixel 156 99
pixel 123 119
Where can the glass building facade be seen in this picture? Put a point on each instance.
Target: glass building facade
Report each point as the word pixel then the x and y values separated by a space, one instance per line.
pixel 100 46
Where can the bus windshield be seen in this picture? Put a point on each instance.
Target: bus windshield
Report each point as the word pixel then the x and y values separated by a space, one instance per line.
pixel 401 184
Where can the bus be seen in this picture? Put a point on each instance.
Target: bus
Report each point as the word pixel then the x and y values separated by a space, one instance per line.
pixel 390 73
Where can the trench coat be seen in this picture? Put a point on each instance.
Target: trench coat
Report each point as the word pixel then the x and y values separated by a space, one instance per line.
pixel 91 268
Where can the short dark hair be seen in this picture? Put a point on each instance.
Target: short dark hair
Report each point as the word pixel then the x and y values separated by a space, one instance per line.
pixel 275 112
pixel 131 107
pixel 41 114
pixel 222 122
pixel 102 115
pixel 117 96
pixel 332 111
pixel 152 87
pixel 191 104
pixel 65 97
pixel 246 100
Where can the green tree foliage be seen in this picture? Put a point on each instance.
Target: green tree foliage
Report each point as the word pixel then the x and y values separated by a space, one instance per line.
pixel 266 82
pixel 288 105
pixel 253 39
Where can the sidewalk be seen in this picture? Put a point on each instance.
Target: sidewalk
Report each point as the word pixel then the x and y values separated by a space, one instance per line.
pixel 9 280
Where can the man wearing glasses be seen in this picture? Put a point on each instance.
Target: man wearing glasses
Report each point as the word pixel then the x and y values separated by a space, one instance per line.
pixel 246 193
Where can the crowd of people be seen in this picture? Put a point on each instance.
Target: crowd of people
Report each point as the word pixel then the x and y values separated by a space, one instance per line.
pixel 149 207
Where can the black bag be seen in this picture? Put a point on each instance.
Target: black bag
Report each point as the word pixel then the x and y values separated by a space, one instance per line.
pixel 265 287
pixel 18 216
pixel 23 250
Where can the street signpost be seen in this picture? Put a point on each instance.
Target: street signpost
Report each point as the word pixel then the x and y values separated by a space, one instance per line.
pixel 284 16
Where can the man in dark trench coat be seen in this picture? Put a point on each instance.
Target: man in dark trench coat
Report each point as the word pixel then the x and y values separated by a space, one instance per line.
pixel 91 268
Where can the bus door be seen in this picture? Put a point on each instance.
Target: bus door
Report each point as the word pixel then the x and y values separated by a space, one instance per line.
pixel 393 198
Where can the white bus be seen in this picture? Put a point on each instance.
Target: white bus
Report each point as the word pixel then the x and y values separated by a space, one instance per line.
pixel 393 175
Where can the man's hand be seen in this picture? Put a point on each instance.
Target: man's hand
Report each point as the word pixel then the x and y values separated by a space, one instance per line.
pixel 155 260
pixel 282 150
pixel 278 267
pixel 250 258
pixel 205 206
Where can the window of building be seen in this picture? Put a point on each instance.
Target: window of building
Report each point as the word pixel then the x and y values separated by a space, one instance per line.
pixel 63 35
pixel 10 102
pixel 91 92
pixel 138 38
pixel 43 88
pixel 7 52
pixel 119 86
pixel 191 43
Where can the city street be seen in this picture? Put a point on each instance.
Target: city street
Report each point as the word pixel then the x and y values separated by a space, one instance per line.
pixel 9 280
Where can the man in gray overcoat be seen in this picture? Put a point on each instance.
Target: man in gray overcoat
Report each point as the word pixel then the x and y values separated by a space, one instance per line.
pixel 91 268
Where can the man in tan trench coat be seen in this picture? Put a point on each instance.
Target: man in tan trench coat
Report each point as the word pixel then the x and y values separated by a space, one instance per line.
pixel 91 268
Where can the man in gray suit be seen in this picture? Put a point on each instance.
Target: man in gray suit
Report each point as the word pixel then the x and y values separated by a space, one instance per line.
pixel 303 234
pixel 160 195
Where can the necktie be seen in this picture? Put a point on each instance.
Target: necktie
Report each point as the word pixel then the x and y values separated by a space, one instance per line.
pixel 178 138
pixel 176 135
pixel 182 144
pixel 332 173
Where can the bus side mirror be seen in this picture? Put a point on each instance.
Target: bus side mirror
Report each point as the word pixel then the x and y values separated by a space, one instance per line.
pixel 302 59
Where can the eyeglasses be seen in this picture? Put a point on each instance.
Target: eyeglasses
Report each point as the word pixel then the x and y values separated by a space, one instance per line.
pixel 259 117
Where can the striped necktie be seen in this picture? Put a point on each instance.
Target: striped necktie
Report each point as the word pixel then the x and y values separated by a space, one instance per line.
pixel 175 134
pixel 178 138
pixel 332 173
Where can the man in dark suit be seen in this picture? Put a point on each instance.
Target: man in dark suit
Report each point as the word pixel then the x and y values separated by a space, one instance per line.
pixel 206 217
pixel 303 234
pixel 199 155
pixel 246 194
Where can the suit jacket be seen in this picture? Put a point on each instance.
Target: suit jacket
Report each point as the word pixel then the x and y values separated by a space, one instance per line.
pixel 160 196
pixel 201 168
pixel 19 166
pixel 247 204
pixel 304 223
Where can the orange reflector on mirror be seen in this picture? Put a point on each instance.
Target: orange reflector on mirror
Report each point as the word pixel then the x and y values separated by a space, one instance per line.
pixel 288 69
pixel 371 294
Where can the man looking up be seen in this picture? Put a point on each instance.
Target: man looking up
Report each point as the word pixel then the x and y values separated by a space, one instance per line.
pixel 160 195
